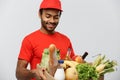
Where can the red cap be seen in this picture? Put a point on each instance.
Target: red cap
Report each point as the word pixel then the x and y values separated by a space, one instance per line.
pixel 55 4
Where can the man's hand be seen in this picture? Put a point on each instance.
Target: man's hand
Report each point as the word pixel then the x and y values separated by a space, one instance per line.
pixel 39 73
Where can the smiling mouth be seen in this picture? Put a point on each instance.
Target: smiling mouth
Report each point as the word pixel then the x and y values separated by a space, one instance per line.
pixel 51 25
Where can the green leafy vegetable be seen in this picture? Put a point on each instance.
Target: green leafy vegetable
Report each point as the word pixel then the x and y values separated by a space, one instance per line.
pixel 86 72
pixel 45 58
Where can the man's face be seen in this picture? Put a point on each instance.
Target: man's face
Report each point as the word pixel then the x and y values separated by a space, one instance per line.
pixel 50 19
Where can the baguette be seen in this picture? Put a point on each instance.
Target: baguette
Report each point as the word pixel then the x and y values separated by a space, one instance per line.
pixel 53 62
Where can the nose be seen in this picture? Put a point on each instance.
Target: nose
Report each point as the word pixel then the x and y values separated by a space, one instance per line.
pixel 52 20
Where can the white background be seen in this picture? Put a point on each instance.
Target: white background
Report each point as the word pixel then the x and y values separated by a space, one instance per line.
pixel 92 26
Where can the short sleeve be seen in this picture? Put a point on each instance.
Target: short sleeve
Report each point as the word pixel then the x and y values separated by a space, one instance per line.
pixel 72 51
pixel 26 50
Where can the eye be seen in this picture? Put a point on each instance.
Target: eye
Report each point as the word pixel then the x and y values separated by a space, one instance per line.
pixel 56 17
pixel 48 16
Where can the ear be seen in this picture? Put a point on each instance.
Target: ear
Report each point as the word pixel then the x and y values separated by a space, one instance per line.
pixel 39 14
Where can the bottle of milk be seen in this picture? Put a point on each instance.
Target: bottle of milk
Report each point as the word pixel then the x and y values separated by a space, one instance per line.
pixel 59 74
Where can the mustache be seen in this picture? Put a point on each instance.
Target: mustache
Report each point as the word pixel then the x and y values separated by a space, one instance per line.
pixel 51 23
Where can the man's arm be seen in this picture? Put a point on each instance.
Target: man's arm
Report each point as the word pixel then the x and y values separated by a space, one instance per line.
pixel 22 73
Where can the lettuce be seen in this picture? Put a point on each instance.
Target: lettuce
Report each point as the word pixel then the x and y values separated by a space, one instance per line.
pixel 45 58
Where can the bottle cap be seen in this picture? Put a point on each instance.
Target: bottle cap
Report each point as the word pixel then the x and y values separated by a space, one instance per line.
pixel 61 61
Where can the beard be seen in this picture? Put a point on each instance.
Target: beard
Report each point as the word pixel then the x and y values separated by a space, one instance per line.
pixel 49 26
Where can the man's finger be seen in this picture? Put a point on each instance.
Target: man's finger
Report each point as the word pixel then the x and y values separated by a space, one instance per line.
pixel 41 71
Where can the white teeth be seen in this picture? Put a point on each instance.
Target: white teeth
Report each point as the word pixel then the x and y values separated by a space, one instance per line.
pixel 50 25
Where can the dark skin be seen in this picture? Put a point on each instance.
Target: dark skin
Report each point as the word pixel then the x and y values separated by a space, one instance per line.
pixel 22 73
pixel 49 21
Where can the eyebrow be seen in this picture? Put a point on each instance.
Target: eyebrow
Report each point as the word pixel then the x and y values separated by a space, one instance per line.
pixel 51 14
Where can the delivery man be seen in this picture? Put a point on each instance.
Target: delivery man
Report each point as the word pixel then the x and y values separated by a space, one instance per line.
pixel 33 44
